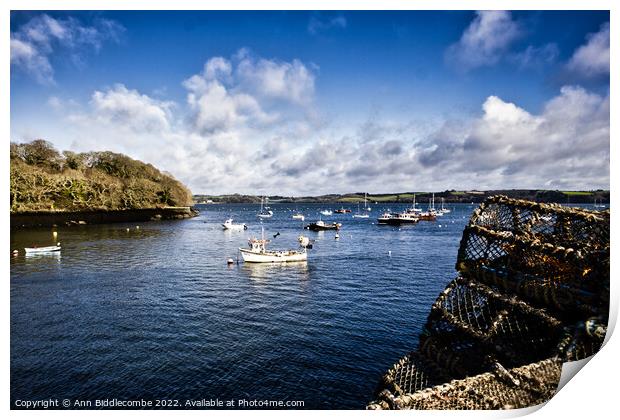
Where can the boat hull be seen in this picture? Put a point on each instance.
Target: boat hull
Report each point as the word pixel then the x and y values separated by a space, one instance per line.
pixel 234 227
pixel 42 250
pixel 317 228
pixel 396 222
pixel 272 256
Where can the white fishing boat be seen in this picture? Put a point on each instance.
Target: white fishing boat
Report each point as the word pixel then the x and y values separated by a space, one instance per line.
pixel 229 225
pixel 43 249
pixel 326 212
pixel 258 253
pixel 265 212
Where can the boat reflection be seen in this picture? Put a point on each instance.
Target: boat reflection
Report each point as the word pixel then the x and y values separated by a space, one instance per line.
pixel 262 272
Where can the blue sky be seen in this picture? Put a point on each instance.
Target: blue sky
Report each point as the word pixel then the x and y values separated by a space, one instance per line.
pixel 317 102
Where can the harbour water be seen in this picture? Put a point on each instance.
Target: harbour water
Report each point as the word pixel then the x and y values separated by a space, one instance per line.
pixel 154 312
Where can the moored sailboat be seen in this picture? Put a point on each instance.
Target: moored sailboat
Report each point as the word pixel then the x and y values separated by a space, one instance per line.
pixel 265 211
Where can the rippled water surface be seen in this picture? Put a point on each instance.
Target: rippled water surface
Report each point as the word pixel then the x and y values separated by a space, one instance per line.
pixel 156 312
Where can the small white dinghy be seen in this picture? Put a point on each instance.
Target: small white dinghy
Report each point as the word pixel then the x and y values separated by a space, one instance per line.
pixel 229 225
pixel 43 249
pixel 326 212
pixel 299 216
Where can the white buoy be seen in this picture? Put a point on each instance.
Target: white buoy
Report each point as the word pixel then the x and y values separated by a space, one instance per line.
pixel 15 252
pixel 230 261
pixel 337 236
pixel 137 227
pixel 389 253
pixel 127 229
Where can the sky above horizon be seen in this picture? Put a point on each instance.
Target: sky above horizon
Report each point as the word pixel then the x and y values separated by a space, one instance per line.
pixel 306 103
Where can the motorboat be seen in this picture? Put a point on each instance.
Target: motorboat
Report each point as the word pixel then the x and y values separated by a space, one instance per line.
pixel 403 218
pixel 326 212
pixel 43 249
pixel 431 214
pixel 258 253
pixel 321 225
pixel 299 216
pixel 342 211
pixel 385 218
pixel 229 225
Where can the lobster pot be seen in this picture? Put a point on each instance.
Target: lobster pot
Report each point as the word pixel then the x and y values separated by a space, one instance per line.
pixel 532 292
pixel 537 383
pixel 552 256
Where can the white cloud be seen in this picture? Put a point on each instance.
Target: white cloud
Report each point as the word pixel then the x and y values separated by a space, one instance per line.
pixel 566 145
pixel 235 135
pixel 592 58
pixel 248 92
pixel 37 40
pixel 484 41
pixel 288 81
pixel 126 109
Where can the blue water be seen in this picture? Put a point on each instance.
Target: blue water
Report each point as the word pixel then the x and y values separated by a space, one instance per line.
pixel 156 313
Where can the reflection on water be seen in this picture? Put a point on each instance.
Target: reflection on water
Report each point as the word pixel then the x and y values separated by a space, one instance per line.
pixel 262 272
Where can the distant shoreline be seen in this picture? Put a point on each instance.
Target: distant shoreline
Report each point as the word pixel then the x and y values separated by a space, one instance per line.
pixel 450 196
pixel 32 219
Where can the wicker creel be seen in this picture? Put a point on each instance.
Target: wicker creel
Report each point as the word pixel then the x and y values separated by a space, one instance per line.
pixel 532 292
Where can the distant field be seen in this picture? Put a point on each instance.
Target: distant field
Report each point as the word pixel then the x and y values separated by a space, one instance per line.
pixel 577 192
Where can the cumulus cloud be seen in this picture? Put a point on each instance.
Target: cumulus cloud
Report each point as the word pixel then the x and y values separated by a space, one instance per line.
pixel 567 144
pixel 592 58
pixel 484 41
pixel 249 92
pixel 33 43
pixel 120 105
pixel 318 24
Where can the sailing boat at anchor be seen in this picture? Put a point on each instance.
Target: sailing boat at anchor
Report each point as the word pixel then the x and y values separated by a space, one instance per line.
pixel 265 212
pixel 364 215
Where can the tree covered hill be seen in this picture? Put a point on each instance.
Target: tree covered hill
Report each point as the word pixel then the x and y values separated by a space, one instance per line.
pixel 43 179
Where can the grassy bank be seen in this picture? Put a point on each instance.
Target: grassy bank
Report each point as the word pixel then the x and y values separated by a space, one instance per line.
pixel 43 179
